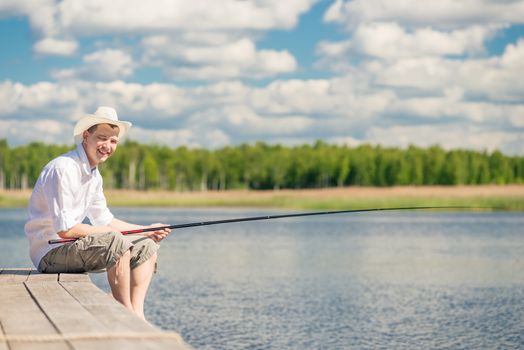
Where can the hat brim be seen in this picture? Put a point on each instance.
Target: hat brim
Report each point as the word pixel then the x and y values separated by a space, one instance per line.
pixel 90 120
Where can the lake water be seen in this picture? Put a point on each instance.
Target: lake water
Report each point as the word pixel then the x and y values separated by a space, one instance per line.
pixel 382 280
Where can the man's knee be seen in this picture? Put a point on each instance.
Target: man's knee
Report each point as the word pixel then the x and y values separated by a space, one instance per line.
pixel 126 255
pixel 144 250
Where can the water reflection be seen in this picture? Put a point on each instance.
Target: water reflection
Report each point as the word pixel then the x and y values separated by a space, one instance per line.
pixel 441 260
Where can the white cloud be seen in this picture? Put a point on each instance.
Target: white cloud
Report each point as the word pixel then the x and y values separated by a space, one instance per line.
pixel 103 65
pixel 204 41
pixel 247 121
pixel 514 55
pixel 446 14
pixel 326 98
pixel 495 78
pixel 428 74
pixel 172 138
pixel 448 136
pixel 135 16
pixel 40 99
pixel 109 64
pixel 336 110
pixel 152 103
pixel 293 96
pixel 392 41
pixel 419 50
pixel 225 59
pixel 43 130
pixel 61 24
pixel 15 7
pixel 42 15
pixel 516 116
pixel 451 107
pixel 58 47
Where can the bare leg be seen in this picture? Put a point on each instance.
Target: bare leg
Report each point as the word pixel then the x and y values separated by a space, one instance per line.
pixel 119 280
pixel 140 279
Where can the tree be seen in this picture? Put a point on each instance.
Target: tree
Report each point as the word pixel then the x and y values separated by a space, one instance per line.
pixel 263 166
pixel 501 172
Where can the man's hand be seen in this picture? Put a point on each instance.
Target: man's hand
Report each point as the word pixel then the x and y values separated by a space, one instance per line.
pixel 159 234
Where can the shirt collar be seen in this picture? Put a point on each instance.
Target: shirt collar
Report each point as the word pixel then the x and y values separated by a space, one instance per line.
pixel 84 161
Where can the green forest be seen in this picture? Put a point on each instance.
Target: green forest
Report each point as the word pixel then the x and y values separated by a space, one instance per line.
pixel 264 166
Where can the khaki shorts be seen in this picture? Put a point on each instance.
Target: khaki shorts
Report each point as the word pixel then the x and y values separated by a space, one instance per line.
pixel 97 252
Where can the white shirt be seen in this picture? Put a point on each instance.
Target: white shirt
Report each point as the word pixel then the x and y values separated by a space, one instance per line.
pixel 66 192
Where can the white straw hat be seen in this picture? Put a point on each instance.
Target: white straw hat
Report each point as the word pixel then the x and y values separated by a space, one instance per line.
pixel 103 115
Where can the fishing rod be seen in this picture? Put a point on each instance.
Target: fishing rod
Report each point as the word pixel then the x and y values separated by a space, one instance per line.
pixel 258 218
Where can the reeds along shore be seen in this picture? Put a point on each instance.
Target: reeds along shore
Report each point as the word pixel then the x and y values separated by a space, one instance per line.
pixel 498 197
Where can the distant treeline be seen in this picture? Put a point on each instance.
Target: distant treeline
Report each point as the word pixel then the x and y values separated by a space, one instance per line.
pixel 263 166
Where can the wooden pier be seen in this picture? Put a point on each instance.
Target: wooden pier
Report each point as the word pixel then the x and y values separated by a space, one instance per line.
pixel 67 311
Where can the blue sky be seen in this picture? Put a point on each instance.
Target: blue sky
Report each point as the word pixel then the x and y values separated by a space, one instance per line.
pixel 211 74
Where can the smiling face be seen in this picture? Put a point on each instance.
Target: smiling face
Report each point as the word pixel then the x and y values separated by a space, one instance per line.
pixel 100 143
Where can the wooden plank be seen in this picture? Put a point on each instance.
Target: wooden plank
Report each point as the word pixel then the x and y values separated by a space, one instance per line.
pixel 74 277
pixel 22 318
pixel 38 345
pixel 62 309
pixel 36 276
pixel 14 275
pixel 120 320
pixel 66 311
pixel 136 344
pixel 108 311
pixel 3 343
pixel 70 318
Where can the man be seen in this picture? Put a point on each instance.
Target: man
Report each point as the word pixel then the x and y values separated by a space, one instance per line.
pixel 68 190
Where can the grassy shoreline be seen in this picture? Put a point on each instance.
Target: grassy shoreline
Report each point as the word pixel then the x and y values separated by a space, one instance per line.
pixel 509 197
